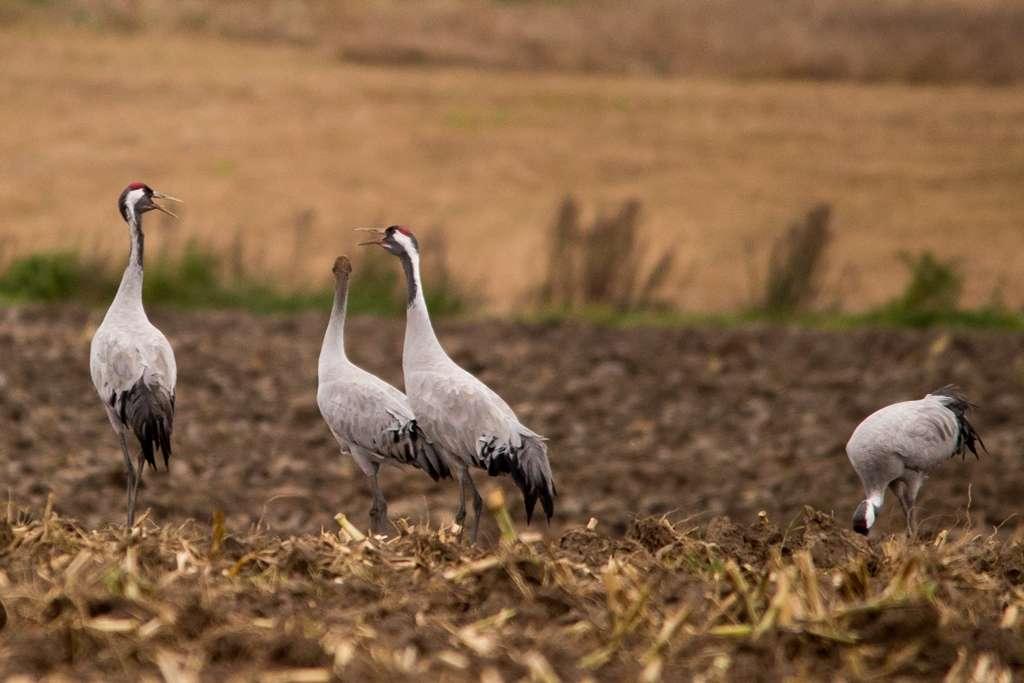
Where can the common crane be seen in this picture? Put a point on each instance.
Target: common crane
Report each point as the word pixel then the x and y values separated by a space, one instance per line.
pixel 131 362
pixel 368 417
pixel 456 410
pixel 898 445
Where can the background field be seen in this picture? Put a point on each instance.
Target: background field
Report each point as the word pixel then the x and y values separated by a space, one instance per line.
pixel 256 130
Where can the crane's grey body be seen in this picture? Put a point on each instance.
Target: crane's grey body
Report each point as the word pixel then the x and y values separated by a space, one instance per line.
pixel 132 363
pixel 458 412
pixel 897 446
pixel 129 357
pixel 369 418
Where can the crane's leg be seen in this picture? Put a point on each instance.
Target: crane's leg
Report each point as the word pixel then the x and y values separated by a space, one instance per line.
pixel 466 486
pixel 379 524
pixel 132 478
pixel 478 506
pixel 460 512
pixel 906 492
pixel 914 482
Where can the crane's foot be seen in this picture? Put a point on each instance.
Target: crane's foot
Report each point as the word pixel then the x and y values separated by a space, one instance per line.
pixel 133 491
pixel 466 486
pixel 478 506
pixel 460 512
pixel 380 525
pixel 130 521
pixel 911 525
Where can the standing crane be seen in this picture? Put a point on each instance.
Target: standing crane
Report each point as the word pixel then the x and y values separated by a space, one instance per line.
pixel 456 410
pixel 131 362
pixel 368 417
pixel 898 445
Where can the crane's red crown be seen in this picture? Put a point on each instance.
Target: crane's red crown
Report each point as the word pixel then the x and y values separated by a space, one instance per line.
pixel 402 229
pixel 136 186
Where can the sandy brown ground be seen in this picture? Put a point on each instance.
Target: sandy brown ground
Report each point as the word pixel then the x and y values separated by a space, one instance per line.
pixel 693 424
pixel 252 134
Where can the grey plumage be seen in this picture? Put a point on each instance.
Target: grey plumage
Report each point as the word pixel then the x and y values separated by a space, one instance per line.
pixel 897 446
pixel 131 362
pixel 369 418
pixel 469 421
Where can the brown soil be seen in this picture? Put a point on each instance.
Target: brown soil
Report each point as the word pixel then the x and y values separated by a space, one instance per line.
pixel 708 427
pixel 694 422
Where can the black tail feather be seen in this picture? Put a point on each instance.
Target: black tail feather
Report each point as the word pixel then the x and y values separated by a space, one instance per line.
pixel 424 454
pixel 969 435
pixel 149 412
pixel 968 438
pixel 529 468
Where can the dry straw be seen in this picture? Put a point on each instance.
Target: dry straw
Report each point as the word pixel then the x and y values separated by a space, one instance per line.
pixel 719 601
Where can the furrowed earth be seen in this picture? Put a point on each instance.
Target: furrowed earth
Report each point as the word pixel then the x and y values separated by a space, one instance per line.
pixel 710 460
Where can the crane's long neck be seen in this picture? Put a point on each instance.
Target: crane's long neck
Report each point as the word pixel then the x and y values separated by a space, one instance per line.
pixel 333 348
pixel 129 293
pixel 421 344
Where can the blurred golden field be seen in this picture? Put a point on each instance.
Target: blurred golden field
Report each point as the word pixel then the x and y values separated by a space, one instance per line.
pixel 255 128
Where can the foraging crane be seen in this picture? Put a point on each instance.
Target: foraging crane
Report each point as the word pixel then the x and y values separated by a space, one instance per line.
pixel 456 410
pixel 368 417
pixel 897 446
pixel 131 362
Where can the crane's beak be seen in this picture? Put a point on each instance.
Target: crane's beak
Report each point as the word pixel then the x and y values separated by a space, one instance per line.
pixel 161 195
pixel 376 231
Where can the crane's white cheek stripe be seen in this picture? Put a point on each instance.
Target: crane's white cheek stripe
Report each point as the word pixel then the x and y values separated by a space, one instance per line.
pixel 131 199
pixel 404 241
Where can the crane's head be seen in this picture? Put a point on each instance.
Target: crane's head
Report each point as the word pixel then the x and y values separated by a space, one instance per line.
pixel 342 268
pixel 864 517
pixel 396 239
pixel 137 199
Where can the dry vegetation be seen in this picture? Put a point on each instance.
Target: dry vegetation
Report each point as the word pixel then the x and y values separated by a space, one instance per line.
pixel 604 264
pixel 692 424
pixel 884 40
pixel 715 602
pixel 255 133
pixel 796 262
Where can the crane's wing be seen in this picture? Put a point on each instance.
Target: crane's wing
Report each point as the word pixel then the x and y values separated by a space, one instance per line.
pixel 928 433
pixel 456 412
pixel 118 358
pixel 472 422
pixel 135 374
pixel 366 411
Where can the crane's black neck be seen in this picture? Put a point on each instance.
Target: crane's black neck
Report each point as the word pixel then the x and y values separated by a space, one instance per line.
pixel 138 241
pixel 129 292
pixel 421 343
pixel 411 278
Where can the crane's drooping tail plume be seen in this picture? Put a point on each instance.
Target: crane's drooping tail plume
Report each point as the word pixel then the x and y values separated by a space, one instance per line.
pixel 149 411
pixel 968 438
pixel 417 450
pixel 529 467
